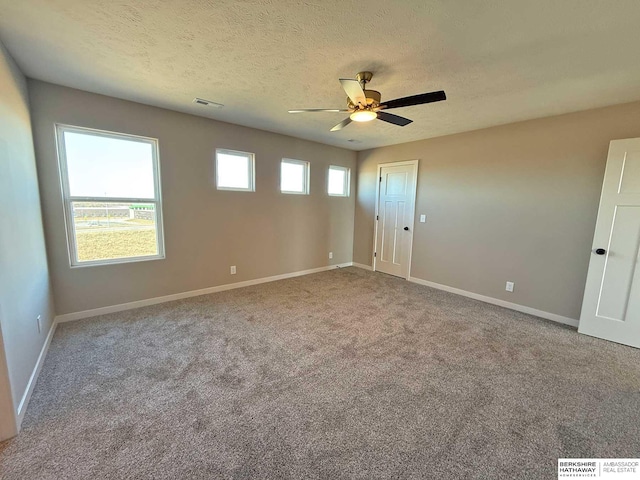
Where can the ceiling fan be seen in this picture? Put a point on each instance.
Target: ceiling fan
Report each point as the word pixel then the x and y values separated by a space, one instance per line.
pixel 366 105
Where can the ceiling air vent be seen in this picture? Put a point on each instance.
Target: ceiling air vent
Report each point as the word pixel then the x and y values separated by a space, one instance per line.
pixel 207 103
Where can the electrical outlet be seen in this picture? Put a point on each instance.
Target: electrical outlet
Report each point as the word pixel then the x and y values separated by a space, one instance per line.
pixel 233 269
pixel 423 218
pixel 330 254
pixel 510 286
pixel 39 324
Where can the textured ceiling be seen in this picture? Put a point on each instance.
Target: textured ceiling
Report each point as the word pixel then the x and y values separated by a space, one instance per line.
pixel 498 60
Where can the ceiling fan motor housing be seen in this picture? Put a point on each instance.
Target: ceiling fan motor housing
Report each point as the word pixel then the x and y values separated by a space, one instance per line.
pixel 373 96
pixel 373 99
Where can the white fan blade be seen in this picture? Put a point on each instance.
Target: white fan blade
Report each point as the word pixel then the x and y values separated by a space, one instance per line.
pixel 304 110
pixel 354 91
pixel 342 124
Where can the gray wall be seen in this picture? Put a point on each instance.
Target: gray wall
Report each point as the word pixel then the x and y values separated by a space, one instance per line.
pixel 263 233
pixel 516 202
pixel 25 291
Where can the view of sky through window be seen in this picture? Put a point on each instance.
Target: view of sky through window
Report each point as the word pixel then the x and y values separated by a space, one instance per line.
pixel 100 166
pixel 293 177
pixel 233 170
pixel 337 181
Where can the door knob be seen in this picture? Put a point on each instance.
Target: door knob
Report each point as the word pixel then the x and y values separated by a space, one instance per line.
pixel 600 251
pixel 406 228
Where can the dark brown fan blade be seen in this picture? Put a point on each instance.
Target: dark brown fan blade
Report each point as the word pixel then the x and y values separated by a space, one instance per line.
pixel 305 110
pixel 341 125
pixel 415 100
pixel 395 119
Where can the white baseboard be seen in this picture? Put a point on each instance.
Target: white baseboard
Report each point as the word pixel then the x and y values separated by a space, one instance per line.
pixel 501 303
pixel 362 265
pixel 22 407
pixel 69 317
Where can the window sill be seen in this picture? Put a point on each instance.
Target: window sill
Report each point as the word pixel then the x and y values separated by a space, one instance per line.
pixel 117 261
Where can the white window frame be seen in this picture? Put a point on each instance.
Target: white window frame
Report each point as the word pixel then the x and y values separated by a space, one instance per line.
pixel 252 170
pixel 347 181
pixel 307 169
pixel 68 199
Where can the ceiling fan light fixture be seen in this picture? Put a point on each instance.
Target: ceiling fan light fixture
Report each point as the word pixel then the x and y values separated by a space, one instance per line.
pixel 363 116
pixel 365 105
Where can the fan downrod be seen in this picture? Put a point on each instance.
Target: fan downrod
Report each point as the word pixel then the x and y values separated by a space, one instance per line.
pixel 364 78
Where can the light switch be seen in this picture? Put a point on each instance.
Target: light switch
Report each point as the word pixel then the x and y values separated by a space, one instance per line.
pixel 423 218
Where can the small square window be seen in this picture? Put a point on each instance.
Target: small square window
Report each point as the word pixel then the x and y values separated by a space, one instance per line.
pixel 235 170
pixel 294 176
pixel 338 181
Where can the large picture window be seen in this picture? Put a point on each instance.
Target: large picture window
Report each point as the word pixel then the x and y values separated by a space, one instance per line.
pixel 111 192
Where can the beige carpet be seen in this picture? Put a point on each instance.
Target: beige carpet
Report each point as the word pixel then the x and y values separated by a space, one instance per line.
pixel 342 374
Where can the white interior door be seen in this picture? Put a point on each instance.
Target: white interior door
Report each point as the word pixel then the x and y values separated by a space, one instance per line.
pixel 394 217
pixel 611 306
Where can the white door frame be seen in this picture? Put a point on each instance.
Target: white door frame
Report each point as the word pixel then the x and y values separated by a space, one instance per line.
pixel 414 188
